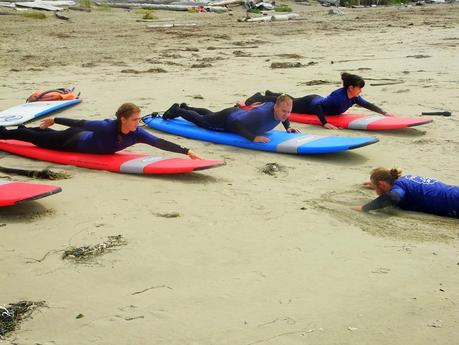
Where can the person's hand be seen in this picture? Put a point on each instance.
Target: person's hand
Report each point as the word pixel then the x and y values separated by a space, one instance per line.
pixel 261 139
pixel 293 130
pixel 47 122
pixel 330 126
pixel 389 114
pixel 192 155
pixel 357 208
pixel 368 185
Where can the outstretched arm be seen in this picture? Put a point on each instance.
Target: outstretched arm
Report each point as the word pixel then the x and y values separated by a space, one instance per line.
pixel 387 199
pixel 149 139
pixel 370 106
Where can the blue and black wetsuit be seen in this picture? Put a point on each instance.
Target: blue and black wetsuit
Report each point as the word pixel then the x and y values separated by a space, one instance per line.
pixel 247 123
pixel 102 137
pixel 415 193
pixel 334 104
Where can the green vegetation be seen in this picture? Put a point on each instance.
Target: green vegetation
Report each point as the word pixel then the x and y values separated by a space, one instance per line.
pixel 86 3
pixel 282 8
pixel 34 14
pixel 146 13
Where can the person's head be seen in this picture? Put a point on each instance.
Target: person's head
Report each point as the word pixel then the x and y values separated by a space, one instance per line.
pixel 352 83
pixel 283 107
pixel 128 117
pixel 382 179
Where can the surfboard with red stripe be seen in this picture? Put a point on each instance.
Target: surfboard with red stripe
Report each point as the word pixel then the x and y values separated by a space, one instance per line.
pixel 360 121
pixel 121 162
pixel 12 193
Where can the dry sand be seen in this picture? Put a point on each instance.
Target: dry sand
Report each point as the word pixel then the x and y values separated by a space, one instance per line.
pixel 252 258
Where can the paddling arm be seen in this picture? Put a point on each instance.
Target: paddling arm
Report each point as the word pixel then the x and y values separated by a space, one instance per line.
pixel 370 106
pixel 387 199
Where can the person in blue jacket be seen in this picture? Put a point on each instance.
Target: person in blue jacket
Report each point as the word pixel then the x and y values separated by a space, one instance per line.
pixel 412 193
pixel 336 103
pixel 93 136
pixel 251 124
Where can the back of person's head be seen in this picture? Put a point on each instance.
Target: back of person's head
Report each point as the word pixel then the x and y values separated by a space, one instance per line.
pixel 126 110
pixel 386 175
pixel 285 99
pixel 352 80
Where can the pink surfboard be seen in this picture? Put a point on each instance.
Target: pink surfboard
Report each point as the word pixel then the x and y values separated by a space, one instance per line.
pixel 121 162
pixel 12 193
pixel 359 121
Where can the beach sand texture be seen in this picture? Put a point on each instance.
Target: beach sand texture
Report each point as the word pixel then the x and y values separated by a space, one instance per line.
pixel 246 258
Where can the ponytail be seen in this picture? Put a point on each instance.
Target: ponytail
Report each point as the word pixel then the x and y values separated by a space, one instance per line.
pixel 386 175
pixel 352 80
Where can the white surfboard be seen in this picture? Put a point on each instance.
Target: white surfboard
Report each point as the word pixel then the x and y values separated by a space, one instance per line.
pixel 29 111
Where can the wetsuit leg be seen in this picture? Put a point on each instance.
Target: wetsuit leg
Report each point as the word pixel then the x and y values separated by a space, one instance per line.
pixel 205 118
pixel 258 97
pixel 201 111
pixel 218 119
pixel 46 138
pixel 303 105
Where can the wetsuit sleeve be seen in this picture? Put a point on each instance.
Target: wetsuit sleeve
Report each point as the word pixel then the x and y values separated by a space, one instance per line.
pixel 83 124
pixel 239 128
pixel 69 122
pixel 286 124
pixel 387 199
pixel 319 111
pixel 370 106
pixel 150 139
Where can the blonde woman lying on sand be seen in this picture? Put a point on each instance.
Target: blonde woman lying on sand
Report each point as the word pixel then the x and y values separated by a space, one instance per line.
pixel 412 193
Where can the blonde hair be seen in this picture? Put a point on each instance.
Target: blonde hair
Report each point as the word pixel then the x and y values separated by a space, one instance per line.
pixel 386 175
pixel 284 99
pixel 126 110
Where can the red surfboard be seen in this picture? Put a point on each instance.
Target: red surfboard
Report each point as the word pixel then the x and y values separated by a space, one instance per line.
pixel 12 193
pixel 127 163
pixel 359 121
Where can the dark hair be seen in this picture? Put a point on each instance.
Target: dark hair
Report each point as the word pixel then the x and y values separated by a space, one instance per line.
pixel 352 80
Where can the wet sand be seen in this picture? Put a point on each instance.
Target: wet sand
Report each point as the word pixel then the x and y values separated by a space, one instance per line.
pixel 251 258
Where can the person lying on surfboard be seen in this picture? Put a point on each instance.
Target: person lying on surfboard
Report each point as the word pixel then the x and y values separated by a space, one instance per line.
pixel 412 193
pixel 94 136
pixel 250 124
pixel 336 103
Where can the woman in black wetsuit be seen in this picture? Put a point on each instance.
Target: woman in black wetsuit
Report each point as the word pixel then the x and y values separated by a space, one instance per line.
pixel 336 103
pixel 94 136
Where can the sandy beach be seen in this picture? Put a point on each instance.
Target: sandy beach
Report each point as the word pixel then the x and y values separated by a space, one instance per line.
pixel 249 258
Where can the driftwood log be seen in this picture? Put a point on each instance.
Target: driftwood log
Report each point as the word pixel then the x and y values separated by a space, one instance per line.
pixel 274 17
pixel 128 5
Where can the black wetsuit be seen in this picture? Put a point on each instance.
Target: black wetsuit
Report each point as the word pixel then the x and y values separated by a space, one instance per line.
pixel 246 123
pixel 334 104
pixel 101 137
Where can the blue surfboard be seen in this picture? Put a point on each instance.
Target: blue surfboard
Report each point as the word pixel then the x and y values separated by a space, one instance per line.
pixel 295 143
pixel 30 111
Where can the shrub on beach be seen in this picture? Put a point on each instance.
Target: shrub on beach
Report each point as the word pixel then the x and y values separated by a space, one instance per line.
pixel 34 14
pixel 282 8
pixel 146 13
pixel 86 3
